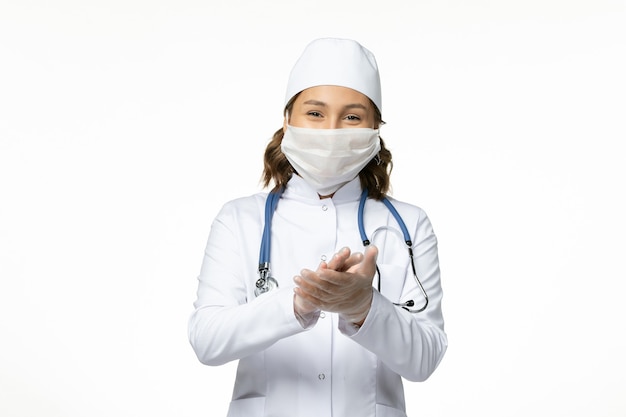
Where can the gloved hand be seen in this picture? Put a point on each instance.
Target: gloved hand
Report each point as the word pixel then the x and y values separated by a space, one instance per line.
pixel 343 285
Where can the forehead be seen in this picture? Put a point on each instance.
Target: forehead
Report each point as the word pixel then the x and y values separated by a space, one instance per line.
pixel 333 95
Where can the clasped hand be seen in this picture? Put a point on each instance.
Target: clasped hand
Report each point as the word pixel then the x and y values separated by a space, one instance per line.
pixel 343 285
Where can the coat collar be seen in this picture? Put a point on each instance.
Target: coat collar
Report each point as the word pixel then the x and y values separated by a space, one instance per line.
pixel 298 189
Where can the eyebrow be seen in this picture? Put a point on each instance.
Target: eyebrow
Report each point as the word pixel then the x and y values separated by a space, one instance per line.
pixel 347 106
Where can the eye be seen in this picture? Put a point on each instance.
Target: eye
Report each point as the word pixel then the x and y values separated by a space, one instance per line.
pixel 353 118
pixel 313 113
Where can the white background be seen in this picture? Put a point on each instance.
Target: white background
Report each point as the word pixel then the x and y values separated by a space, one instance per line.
pixel 125 125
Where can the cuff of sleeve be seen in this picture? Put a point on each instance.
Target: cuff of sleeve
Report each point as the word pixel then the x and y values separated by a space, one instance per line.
pixel 285 297
pixel 307 320
pixel 301 322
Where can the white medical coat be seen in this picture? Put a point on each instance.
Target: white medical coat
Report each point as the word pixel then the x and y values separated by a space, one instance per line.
pixel 331 368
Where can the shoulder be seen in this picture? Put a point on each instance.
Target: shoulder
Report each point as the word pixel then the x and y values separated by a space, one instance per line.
pixel 414 216
pixel 241 207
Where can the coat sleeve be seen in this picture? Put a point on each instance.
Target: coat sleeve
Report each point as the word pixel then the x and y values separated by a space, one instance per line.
pixel 410 344
pixel 228 323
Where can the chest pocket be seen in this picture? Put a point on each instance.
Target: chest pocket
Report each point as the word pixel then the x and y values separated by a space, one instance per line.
pixel 390 281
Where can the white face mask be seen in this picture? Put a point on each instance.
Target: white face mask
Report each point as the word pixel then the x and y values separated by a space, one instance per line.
pixel 329 158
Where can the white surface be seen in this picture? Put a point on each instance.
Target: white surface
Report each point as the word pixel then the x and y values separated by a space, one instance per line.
pixel 124 126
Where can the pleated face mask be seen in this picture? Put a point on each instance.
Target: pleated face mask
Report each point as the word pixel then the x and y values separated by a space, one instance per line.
pixel 329 158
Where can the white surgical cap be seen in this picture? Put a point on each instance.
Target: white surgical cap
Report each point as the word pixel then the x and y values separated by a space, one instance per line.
pixel 340 62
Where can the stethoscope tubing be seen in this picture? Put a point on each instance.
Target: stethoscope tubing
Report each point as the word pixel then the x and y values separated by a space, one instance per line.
pixel 394 213
pixel 407 240
pixel 265 282
pixel 270 207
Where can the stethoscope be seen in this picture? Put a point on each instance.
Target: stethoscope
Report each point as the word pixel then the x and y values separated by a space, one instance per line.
pixel 267 283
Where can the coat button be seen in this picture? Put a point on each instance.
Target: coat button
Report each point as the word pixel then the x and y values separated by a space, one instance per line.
pixel 323 257
pixel 322 315
pixel 324 207
pixel 321 377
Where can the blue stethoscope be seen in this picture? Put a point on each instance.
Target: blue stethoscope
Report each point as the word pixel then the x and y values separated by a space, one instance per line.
pixel 267 283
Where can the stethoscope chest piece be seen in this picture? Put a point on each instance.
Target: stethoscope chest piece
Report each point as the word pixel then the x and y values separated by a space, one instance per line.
pixel 265 284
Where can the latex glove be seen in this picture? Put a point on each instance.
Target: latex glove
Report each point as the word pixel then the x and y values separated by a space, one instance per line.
pixel 339 262
pixel 343 285
pixel 303 308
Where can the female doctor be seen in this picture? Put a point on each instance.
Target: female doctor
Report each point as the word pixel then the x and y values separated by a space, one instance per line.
pixel 326 290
